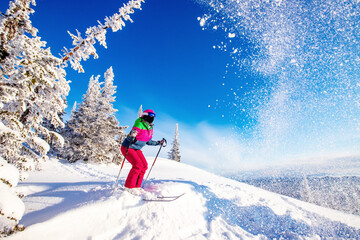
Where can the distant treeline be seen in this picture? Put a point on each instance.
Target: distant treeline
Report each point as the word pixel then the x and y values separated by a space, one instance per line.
pixel 339 193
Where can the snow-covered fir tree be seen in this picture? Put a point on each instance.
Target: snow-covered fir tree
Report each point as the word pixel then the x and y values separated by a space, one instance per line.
pixel 140 111
pixel 73 108
pixel 56 141
pixel 33 88
pixel 305 191
pixel 174 153
pixel 78 135
pixel 111 135
pixel 93 132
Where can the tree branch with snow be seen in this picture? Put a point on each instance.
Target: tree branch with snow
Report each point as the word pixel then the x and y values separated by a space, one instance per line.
pixel 84 47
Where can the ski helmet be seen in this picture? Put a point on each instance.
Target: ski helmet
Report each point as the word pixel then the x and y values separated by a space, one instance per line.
pixel 148 115
pixel 149 112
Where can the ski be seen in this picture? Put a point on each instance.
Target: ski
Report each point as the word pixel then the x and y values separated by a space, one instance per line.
pixel 159 198
pixel 163 198
pixel 176 196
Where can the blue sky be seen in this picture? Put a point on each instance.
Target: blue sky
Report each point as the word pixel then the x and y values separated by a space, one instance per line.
pixel 283 103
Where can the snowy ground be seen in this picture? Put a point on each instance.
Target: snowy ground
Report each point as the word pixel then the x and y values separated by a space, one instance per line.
pixel 73 201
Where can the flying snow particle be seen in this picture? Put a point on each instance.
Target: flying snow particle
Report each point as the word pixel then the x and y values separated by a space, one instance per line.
pixel 203 20
pixel 231 35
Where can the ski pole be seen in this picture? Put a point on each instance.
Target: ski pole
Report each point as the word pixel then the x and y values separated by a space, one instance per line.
pixel 154 161
pixel 122 165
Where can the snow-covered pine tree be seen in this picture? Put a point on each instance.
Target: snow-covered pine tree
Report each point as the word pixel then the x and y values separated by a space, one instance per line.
pixel 67 132
pixel 33 88
pixel 140 111
pixel 93 132
pixel 305 191
pixel 79 135
pixel 174 153
pixel 56 140
pixel 111 134
pixel 73 108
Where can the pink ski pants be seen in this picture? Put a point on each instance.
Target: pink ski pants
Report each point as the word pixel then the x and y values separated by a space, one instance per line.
pixel 139 167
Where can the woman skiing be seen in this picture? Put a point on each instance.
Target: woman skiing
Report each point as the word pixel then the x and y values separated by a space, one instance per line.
pixel 139 136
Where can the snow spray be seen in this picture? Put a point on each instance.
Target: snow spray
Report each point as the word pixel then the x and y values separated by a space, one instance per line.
pixel 297 66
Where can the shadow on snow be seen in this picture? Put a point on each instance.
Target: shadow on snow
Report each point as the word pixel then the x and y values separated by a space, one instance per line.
pixel 70 195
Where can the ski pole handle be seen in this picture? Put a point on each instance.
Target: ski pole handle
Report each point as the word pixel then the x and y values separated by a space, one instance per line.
pixel 163 142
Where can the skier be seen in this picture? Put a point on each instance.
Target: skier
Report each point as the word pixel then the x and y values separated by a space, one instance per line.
pixel 139 136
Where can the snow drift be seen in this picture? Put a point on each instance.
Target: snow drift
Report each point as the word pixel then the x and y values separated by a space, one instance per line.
pixel 11 207
pixel 73 201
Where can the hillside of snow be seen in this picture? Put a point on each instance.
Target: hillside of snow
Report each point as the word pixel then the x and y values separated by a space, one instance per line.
pixel 74 201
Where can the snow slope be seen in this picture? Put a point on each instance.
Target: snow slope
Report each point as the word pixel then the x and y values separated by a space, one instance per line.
pixel 73 201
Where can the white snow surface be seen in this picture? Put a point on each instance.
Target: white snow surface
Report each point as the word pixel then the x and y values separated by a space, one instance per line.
pixel 74 201
pixel 11 207
pixel 8 173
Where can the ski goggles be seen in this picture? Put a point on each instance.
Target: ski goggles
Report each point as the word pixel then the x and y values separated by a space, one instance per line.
pixel 150 114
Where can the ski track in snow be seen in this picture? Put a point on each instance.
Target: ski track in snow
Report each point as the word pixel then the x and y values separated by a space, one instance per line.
pixel 82 207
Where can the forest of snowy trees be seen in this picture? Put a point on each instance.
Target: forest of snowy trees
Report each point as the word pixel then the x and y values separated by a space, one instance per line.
pixel 93 132
pixel 33 91
pixel 337 192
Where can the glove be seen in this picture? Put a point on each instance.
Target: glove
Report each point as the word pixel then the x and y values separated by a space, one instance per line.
pixel 163 142
pixel 133 133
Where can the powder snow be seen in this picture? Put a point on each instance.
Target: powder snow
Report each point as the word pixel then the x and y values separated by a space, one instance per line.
pixel 74 201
